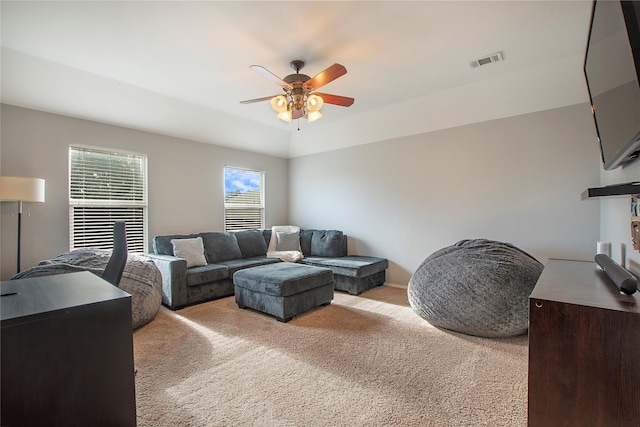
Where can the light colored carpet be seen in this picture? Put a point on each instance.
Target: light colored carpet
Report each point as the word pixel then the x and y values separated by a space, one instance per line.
pixel 364 360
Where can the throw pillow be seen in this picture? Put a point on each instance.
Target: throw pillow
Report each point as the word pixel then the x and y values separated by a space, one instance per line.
pixel 162 244
pixel 272 242
pixel 288 241
pixel 190 249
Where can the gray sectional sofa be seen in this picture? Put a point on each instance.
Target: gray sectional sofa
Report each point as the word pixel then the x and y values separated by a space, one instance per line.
pixel 226 253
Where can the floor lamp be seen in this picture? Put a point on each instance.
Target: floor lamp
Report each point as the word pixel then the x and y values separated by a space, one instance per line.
pixel 20 189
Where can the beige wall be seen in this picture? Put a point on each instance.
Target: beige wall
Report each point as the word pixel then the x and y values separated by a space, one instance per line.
pixel 517 180
pixel 185 180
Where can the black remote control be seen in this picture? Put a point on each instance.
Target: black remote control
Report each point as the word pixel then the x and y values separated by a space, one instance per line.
pixel 624 280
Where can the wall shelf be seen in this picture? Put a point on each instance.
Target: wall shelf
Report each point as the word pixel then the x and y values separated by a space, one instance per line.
pixel 626 188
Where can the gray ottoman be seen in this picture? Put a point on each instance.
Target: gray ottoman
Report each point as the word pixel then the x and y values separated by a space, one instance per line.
pixel 283 290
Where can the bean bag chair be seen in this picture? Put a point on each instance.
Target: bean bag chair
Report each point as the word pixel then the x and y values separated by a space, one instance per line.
pixel 477 287
pixel 141 278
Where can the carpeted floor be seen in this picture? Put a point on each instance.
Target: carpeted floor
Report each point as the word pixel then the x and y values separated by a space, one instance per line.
pixel 364 360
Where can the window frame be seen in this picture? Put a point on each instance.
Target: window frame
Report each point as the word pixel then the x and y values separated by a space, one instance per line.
pixel 227 220
pixel 137 236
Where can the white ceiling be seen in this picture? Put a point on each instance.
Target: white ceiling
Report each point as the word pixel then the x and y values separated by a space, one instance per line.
pixel 181 68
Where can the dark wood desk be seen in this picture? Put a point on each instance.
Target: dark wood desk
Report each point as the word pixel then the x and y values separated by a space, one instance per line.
pixel 67 352
pixel 584 349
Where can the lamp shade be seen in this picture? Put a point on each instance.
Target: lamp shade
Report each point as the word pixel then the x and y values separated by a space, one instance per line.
pixel 21 189
pixel 279 103
pixel 314 103
pixel 284 116
pixel 313 116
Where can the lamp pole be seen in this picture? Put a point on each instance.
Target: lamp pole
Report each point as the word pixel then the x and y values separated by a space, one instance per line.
pixel 19 227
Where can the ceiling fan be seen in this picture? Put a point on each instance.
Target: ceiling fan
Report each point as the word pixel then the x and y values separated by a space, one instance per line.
pixel 299 99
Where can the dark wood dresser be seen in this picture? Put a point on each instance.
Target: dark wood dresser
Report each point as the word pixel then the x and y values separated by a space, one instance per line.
pixel 67 352
pixel 584 349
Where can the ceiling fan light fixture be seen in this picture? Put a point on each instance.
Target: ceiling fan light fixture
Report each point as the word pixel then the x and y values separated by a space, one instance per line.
pixel 285 116
pixel 279 103
pixel 314 103
pixel 313 116
pixel 298 100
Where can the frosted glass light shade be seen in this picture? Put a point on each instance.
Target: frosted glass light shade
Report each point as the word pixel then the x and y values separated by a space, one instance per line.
pixel 314 103
pixel 313 116
pixel 279 103
pixel 21 189
pixel 284 116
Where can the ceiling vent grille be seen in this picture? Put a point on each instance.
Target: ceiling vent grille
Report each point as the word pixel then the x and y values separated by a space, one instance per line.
pixel 489 59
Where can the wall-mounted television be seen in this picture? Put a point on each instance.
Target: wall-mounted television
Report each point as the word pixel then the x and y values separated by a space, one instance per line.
pixel 611 69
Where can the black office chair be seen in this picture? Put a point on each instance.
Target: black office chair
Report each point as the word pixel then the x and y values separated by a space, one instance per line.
pixel 118 260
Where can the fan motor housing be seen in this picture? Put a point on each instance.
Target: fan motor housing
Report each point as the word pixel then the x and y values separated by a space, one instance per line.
pixel 296 78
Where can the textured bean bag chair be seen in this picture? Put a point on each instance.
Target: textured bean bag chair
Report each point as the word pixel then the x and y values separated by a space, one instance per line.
pixel 141 278
pixel 477 287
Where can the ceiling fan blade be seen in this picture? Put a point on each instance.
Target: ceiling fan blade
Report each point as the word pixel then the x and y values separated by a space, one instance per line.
pixel 342 101
pixel 251 101
pixel 269 75
pixel 297 114
pixel 324 77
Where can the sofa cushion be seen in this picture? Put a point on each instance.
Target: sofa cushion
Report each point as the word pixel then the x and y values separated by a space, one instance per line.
pixel 266 233
pixel 251 243
pixel 288 241
pixel 234 265
pixel 350 266
pixel 162 244
pixel 219 246
pixel 327 243
pixel 264 260
pixel 190 249
pixel 206 274
pixel 305 241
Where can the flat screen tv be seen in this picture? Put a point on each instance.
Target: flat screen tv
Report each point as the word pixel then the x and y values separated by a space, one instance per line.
pixel 611 67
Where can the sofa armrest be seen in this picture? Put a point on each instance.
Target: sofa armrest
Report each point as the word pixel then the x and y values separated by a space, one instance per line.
pixel 174 279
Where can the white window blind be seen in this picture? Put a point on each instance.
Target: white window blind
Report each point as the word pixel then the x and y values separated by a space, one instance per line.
pixel 243 199
pixel 105 187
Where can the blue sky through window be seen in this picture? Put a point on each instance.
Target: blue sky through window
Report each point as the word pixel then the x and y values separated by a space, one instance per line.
pixel 240 180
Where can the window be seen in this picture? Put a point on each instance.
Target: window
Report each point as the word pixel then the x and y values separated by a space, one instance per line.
pixel 243 199
pixel 105 187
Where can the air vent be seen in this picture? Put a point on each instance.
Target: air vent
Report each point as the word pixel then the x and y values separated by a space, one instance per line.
pixel 489 59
